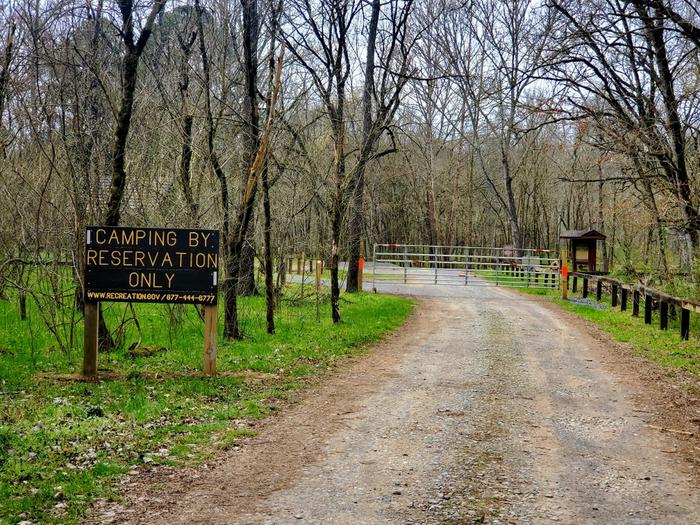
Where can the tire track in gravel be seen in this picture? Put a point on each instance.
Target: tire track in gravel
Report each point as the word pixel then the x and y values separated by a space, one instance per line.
pixel 488 407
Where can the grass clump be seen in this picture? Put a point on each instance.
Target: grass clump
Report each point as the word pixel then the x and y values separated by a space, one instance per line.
pixel 63 442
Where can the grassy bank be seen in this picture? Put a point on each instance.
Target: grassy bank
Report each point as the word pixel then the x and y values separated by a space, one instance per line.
pixel 665 348
pixel 63 442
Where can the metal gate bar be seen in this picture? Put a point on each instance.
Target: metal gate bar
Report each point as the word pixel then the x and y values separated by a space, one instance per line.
pixel 465 266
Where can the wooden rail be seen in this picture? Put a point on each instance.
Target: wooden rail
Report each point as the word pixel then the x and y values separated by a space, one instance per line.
pixel 621 291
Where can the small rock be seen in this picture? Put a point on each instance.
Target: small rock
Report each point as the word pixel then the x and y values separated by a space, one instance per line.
pixel 298 516
pixel 396 493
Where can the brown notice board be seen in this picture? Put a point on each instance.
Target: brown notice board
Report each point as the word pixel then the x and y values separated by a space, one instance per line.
pixel 164 265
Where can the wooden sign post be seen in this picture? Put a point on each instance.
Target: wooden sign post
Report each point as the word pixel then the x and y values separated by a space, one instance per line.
pixel 91 339
pixel 153 265
pixel 210 323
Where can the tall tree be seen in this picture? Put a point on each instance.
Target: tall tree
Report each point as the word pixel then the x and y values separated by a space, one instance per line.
pixel 319 38
pixel 396 45
pixel 129 72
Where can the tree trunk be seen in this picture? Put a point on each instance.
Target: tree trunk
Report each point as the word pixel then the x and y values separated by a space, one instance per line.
pixel 186 123
pixel 4 77
pixel 336 214
pixel 267 227
pixel 250 143
pixel 269 280
pixel 356 221
pixel 512 210
pixel 129 72
pixel 677 170
pixel 246 277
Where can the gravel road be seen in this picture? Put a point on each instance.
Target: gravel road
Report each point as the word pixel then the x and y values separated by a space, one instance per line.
pixel 487 407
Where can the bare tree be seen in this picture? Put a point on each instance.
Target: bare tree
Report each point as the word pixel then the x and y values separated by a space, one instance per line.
pixel 318 36
pixel 380 101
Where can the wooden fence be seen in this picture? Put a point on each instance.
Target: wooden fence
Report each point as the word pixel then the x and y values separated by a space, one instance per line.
pixel 621 293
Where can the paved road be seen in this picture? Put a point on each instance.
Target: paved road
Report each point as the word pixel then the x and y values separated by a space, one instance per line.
pixel 488 407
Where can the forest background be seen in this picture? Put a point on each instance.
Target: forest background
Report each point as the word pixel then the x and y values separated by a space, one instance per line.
pixel 322 127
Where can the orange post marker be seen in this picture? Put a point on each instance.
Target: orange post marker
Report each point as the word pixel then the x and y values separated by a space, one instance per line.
pixel 563 283
pixel 360 271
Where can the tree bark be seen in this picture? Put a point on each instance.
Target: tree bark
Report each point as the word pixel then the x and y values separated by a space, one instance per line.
pixel 186 123
pixel 236 242
pixel 4 76
pixel 356 221
pixel 129 72
pixel 251 133
pixel 678 169
pixel 267 227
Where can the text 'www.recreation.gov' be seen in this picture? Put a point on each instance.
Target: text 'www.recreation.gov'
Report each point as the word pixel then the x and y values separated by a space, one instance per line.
pixel 151 296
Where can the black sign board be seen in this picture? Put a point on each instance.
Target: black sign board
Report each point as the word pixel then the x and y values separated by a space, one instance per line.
pixel 157 265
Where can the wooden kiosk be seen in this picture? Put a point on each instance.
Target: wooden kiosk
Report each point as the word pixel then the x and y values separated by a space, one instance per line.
pixel 583 249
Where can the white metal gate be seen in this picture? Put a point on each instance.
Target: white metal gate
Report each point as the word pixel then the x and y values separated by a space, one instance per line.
pixel 464 266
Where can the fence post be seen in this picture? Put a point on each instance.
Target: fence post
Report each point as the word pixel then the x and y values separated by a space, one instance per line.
pixel 648 300
pixel 405 264
pixel 635 303
pixel 663 315
pixel 374 267
pixel 613 297
pixel 584 290
pixel 685 323
pixel 623 299
pixel 466 266
pixel 598 290
pixel 574 286
pixel 435 259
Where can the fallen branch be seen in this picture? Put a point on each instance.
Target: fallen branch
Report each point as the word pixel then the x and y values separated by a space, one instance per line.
pixel 672 430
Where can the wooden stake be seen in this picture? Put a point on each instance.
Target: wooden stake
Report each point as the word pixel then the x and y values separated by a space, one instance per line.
pixel 648 300
pixel 623 299
pixel 319 270
pixel 210 324
pixel 685 323
pixel 663 316
pixel 91 339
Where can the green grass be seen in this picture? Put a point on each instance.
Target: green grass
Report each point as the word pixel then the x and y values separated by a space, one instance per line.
pixel 64 442
pixel 665 348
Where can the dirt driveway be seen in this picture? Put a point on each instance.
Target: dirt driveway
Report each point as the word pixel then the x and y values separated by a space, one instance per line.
pixel 487 407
